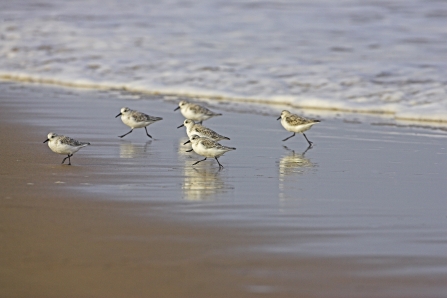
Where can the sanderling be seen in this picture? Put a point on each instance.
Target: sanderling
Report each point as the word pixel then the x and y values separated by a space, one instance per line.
pixel 200 130
pixel 295 123
pixel 135 119
pixel 64 145
pixel 208 148
pixel 195 112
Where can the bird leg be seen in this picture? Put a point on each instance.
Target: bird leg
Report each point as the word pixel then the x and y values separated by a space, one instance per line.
pixel 289 137
pixel 310 143
pixel 198 161
pixel 147 133
pixel 69 161
pixel 126 133
pixel 220 166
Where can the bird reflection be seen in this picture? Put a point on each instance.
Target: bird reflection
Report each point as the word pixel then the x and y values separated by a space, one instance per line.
pixel 294 163
pixel 203 183
pixel 181 149
pixel 130 150
pixel 290 165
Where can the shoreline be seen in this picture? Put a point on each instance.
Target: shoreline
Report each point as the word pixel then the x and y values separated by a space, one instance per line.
pixel 144 222
pixel 216 99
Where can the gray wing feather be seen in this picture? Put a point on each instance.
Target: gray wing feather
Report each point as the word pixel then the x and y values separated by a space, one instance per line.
pixel 201 110
pixel 208 143
pixel 72 142
pixel 142 117
pixel 297 120
pixel 209 132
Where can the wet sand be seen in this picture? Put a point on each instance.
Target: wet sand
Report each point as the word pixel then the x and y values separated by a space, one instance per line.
pixel 359 215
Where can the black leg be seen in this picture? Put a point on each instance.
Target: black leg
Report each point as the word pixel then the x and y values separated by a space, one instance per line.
pixel 186 142
pixel 69 161
pixel 189 150
pixel 147 133
pixel 289 137
pixel 65 159
pixel 198 161
pixel 310 143
pixel 126 133
pixel 220 166
pixel 200 122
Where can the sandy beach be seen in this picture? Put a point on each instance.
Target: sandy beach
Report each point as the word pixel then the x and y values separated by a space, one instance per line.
pixel 361 214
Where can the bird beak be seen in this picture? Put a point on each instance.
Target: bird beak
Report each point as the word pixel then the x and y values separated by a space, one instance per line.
pixel 180 125
pixel 279 118
pixel 186 142
pixel 46 140
pixel 118 115
pixel 177 108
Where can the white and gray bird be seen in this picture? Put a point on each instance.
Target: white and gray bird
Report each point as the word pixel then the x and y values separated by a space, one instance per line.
pixel 195 112
pixel 64 145
pixel 296 124
pixel 135 119
pixel 208 148
pixel 193 128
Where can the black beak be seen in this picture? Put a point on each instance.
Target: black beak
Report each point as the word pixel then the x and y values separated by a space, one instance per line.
pixel 118 115
pixel 177 108
pixel 180 125
pixel 279 118
pixel 46 140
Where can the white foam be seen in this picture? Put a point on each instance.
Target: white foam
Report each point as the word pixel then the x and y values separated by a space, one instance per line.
pixel 355 58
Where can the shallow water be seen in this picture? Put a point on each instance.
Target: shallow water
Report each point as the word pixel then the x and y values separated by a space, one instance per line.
pixel 362 56
pixel 371 195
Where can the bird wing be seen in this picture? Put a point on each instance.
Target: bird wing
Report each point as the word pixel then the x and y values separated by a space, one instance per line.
pixel 207 132
pixel 297 120
pixel 198 109
pixel 208 144
pixel 71 142
pixel 142 117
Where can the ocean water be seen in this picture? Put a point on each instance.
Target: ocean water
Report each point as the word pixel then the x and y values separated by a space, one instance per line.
pixel 347 55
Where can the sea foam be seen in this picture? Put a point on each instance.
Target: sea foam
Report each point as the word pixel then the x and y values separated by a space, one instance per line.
pixel 352 57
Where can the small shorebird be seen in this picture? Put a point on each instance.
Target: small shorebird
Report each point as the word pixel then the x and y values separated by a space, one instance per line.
pixel 195 112
pixel 64 145
pixel 193 128
pixel 296 124
pixel 135 119
pixel 208 148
